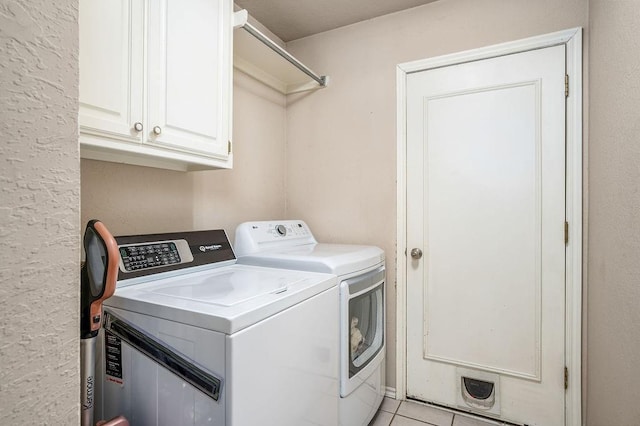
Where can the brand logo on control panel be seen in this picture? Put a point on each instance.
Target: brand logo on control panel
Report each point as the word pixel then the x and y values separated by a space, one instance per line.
pixel 212 247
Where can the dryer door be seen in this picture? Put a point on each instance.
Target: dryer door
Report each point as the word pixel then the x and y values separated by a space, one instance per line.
pixel 363 326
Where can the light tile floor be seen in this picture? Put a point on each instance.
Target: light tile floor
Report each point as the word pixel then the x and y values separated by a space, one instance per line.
pixel 408 413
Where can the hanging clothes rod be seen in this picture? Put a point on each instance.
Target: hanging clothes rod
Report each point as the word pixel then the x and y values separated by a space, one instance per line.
pixel 241 20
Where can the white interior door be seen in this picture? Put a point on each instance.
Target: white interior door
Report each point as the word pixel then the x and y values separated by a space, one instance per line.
pixel 486 206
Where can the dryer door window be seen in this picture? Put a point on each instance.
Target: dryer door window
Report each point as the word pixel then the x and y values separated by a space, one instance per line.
pixel 366 322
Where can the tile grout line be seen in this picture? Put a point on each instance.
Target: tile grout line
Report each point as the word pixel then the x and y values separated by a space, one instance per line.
pixel 393 415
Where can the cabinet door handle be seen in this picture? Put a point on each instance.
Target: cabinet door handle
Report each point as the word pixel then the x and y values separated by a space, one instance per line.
pixel 137 127
pixel 157 130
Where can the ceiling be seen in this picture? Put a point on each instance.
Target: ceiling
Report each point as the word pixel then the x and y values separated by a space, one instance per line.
pixel 294 19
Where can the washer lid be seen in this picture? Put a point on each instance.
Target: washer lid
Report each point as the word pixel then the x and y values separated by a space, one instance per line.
pixel 225 299
pixel 339 259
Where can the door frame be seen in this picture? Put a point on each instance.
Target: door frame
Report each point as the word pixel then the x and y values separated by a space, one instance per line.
pixel 572 39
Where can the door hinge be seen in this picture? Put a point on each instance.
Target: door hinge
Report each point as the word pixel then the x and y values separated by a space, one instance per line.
pixel 566 378
pixel 228 147
pixel 566 85
pixel 566 233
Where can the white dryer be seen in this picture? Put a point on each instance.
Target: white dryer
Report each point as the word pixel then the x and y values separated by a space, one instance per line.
pixel 361 275
pixel 192 338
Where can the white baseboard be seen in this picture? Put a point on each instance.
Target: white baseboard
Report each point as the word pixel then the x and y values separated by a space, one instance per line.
pixel 390 392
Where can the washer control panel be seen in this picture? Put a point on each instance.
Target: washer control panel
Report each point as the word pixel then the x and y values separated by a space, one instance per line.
pixel 254 237
pixel 144 257
pixel 134 257
pixel 277 231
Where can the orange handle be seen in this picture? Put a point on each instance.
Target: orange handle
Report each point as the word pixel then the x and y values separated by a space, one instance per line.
pixel 111 276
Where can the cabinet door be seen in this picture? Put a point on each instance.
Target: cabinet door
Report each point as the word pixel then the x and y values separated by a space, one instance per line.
pixel 111 69
pixel 189 75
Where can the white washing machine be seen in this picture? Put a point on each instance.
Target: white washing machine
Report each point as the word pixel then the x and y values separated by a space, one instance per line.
pixel 189 337
pixel 361 276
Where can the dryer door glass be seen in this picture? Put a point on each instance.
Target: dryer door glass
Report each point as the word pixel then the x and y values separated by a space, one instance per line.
pixel 366 321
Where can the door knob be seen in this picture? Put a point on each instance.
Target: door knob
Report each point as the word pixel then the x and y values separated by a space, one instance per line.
pixel 416 253
pixel 137 127
pixel 157 130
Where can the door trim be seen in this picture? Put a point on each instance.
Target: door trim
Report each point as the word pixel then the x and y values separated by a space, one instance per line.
pixel 572 39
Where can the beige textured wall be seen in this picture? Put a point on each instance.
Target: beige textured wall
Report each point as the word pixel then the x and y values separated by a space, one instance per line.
pixel 341 141
pixel 254 190
pixel 613 367
pixel 39 212
pixel 137 200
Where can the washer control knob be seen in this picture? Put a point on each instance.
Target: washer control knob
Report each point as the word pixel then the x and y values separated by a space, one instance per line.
pixel 416 253
pixel 281 230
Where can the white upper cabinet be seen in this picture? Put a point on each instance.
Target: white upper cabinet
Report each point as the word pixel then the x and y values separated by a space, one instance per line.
pixel 111 68
pixel 155 82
